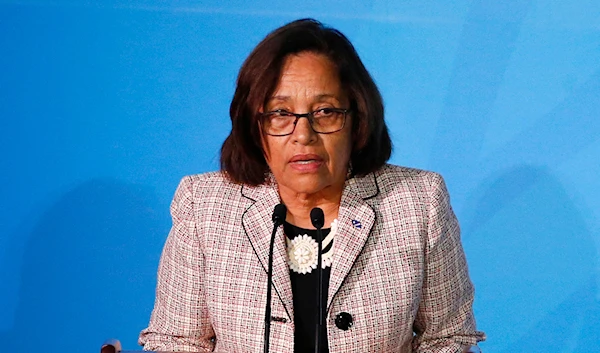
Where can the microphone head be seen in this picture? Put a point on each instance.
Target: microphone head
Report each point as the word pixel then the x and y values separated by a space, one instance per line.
pixel 317 217
pixel 279 214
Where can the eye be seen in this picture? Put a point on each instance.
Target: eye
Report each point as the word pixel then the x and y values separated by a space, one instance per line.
pixel 281 113
pixel 278 119
pixel 324 113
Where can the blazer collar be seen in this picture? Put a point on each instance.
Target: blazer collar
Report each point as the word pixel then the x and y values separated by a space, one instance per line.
pixel 356 218
pixel 258 225
pixel 364 187
pixel 355 221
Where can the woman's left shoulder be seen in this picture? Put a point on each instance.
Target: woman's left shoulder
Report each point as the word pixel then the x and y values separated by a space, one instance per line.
pixel 392 177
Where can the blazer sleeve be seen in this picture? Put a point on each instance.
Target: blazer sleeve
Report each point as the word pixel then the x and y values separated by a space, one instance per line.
pixel 180 320
pixel 445 320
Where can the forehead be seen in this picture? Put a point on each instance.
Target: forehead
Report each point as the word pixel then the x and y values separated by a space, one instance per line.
pixel 310 61
pixel 308 73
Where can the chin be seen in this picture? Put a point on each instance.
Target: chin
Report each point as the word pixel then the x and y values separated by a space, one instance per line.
pixel 312 187
pixel 306 184
pixel 307 189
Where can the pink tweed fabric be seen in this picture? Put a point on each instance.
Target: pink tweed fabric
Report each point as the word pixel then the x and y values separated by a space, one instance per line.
pixel 398 269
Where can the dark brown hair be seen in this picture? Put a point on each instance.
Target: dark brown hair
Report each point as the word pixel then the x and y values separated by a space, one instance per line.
pixel 242 156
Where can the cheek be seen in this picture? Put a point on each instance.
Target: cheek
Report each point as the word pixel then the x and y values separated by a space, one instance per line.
pixel 341 151
pixel 273 150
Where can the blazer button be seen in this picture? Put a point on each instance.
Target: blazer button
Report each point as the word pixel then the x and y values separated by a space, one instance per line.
pixel 343 321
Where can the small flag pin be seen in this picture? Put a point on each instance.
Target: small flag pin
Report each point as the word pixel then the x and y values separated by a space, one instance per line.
pixel 356 224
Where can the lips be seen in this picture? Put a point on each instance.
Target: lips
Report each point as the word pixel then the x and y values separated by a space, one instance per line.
pixel 306 162
pixel 306 158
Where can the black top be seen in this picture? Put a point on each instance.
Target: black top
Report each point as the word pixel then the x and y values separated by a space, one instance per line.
pixel 304 290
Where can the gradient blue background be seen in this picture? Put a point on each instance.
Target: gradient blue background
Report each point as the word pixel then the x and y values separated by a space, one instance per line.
pixel 105 105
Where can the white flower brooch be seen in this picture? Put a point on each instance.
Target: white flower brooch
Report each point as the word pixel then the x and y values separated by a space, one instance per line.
pixel 302 251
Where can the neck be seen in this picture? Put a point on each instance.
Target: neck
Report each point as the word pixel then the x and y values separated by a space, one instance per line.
pixel 299 205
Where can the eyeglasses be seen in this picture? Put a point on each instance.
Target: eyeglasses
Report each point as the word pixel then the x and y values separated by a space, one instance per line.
pixel 323 121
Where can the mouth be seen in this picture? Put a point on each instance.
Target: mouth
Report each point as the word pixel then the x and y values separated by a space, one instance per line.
pixel 306 158
pixel 306 162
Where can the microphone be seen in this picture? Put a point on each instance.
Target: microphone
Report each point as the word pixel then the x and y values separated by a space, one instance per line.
pixel 317 219
pixel 279 214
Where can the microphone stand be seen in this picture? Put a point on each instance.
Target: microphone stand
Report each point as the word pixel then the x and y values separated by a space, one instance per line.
pixel 279 214
pixel 317 219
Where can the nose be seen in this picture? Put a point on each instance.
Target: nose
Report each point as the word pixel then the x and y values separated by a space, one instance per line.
pixel 304 133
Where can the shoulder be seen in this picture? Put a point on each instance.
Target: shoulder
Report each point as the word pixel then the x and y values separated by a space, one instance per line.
pixel 398 179
pixel 202 188
pixel 201 194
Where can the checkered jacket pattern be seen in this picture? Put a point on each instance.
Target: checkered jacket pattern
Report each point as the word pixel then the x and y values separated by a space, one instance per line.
pixel 398 269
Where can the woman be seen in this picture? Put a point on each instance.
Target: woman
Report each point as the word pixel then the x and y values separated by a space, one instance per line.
pixel 308 131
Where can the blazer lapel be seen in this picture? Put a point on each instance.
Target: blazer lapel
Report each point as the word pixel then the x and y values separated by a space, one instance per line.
pixel 355 221
pixel 258 225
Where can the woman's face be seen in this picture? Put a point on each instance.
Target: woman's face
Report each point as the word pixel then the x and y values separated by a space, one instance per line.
pixel 307 162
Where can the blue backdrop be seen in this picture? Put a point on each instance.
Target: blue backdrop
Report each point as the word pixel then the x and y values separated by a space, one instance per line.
pixel 105 105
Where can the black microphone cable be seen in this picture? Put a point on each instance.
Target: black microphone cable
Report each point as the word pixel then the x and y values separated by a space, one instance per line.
pixel 279 214
pixel 317 219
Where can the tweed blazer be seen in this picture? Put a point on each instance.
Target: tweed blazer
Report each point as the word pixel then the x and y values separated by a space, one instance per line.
pixel 398 269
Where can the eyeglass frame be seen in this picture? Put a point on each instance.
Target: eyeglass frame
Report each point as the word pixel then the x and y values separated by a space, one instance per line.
pixel 310 116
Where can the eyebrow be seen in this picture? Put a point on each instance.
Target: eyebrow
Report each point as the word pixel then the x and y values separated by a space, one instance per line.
pixel 319 97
